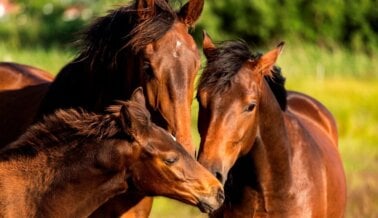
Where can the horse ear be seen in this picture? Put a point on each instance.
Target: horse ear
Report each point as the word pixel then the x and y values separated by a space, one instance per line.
pixel 191 11
pixel 207 45
pixel 138 96
pixel 126 120
pixel 267 61
pixel 145 8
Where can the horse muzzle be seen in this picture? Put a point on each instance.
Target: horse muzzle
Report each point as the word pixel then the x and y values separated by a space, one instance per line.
pixel 209 204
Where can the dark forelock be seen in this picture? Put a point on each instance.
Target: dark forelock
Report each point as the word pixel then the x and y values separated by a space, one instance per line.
pixel 224 62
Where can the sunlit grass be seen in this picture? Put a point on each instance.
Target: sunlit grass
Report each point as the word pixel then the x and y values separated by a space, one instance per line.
pixel 346 83
pixel 51 60
pixel 300 60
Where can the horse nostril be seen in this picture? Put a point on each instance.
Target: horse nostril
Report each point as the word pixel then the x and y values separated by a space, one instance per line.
pixel 219 176
pixel 220 196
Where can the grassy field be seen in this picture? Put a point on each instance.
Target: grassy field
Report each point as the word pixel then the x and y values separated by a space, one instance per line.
pixel 347 83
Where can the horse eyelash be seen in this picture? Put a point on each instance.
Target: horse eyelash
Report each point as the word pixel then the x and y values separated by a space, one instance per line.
pixel 146 65
pixel 147 68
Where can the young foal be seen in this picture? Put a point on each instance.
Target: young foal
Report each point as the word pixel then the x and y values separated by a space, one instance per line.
pixel 274 163
pixel 73 161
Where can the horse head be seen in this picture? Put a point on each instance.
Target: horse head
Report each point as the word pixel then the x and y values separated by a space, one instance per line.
pixel 158 165
pixel 169 65
pixel 229 94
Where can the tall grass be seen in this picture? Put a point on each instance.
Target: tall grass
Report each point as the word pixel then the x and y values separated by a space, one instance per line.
pixel 347 83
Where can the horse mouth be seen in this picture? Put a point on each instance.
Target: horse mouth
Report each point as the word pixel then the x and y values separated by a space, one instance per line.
pixel 205 207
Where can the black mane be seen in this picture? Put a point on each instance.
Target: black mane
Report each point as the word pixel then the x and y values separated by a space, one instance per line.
pixel 277 85
pixel 122 30
pixel 225 61
pixel 108 65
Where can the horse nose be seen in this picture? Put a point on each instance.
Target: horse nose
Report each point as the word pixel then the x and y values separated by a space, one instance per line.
pixel 216 172
pixel 220 196
pixel 213 202
pixel 219 176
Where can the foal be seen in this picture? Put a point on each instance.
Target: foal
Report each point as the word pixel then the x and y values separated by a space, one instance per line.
pixel 73 161
pixel 274 161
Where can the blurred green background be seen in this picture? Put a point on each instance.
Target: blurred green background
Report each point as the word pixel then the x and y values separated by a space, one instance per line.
pixel 330 54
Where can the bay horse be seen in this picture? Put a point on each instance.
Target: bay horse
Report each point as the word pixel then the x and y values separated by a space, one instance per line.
pixel 72 161
pixel 19 85
pixel 274 159
pixel 145 44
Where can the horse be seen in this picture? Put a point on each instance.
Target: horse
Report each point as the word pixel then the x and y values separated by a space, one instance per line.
pixel 145 44
pixel 20 84
pixel 275 152
pixel 72 161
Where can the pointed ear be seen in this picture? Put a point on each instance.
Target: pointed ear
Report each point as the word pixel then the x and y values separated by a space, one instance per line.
pixel 191 11
pixel 138 96
pixel 126 120
pixel 267 61
pixel 145 8
pixel 207 44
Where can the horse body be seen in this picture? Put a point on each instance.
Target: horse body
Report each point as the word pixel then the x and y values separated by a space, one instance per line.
pixel 312 112
pixel 22 88
pixel 73 161
pixel 274 162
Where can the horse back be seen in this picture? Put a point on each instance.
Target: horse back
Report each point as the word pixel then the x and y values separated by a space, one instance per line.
pixel 21 91
pixel 314 138
pixel 312 114
pixel 16 76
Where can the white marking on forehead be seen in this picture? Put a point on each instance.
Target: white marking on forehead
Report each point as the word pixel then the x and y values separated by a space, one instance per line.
pixel 174 138
pixel 178 45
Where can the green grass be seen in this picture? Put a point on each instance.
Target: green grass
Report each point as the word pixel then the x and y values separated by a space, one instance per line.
pixel 51 60
pixel 299 60
pixel 347 83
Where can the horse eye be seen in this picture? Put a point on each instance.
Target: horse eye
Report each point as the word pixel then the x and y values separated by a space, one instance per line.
pixel 148 69
pixel 170 161
pixel 250 107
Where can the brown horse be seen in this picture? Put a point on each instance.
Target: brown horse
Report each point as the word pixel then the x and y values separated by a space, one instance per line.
pixel 276 160
pixel 143 44
pixel 73 161
pixel 19 84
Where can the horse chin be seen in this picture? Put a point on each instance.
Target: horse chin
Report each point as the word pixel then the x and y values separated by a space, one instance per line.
pixel 209 205
pixel 205 207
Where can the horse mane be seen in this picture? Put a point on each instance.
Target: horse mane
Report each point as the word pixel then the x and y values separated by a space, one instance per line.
pixel 69 127
pixel 121 29
pixel 277 85
pixel 224 62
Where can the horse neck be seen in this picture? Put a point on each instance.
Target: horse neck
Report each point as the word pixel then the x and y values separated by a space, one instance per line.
pixel 116 81
pixel 54 185
pixel 271 151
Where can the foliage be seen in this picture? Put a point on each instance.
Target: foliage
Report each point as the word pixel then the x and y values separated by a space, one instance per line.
pixel 353 23
pixel 49 23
